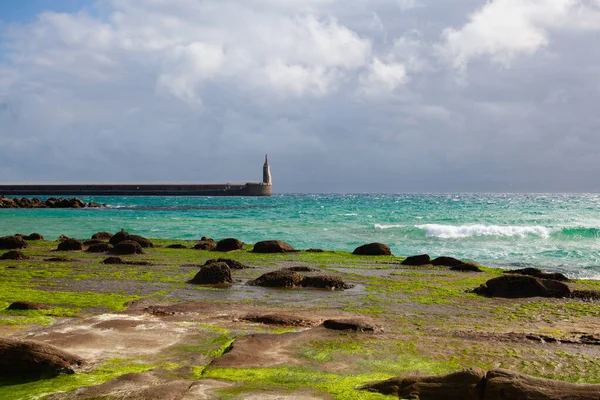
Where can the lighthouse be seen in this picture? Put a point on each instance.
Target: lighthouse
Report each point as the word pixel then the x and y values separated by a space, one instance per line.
pixel 266 171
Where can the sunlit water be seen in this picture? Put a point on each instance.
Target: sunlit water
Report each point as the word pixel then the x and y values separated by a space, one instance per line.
pixel 553 231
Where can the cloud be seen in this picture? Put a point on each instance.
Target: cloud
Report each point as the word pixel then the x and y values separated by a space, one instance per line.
pixel 356 95
pixel 504 29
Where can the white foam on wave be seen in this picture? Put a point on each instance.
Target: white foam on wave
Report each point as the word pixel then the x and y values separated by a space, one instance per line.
pixel 462 231
pixel 381 226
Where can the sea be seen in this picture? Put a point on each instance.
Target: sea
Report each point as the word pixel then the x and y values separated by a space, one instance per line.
pixel 559 232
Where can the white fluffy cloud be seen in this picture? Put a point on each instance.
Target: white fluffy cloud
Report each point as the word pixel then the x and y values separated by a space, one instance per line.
pixel 504 29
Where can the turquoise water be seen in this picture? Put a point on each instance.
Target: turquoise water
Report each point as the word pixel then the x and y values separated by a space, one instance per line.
pixel 554 231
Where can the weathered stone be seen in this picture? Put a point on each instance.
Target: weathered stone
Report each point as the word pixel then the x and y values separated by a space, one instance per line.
pixel 14 255
pixel 373 249
pixel 205 244
pixel 27 305
pixel 314 250
pixel 119 237
pixel 446 261
pixel 230 263
pixel 70 245
pixel 325 282
pixel 281 278
pixel 100 248
pixel 349 325
pixel 102 235
pixel 33 236
pixel 12 243
pixel 463 385
pixel 145 243
pixel 273 246
pixel 34 360
pixel 213 273
pixel 422 259
pixel 518 286
pixel 465 267
pixel 127 247
pixel 229 244
pixel 501 384
pixel 556 276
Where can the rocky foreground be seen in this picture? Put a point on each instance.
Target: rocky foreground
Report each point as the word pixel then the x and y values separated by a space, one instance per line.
pixel 121 316
pixel 74 202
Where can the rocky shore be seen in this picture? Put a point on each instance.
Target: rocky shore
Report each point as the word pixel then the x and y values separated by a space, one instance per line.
pixel 118 316
pixel 73 202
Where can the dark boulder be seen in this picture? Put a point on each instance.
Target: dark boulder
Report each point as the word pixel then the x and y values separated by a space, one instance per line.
pixel 214 273
pixel 176 246
pixel 465 267
pixel 119 237
pixel 70 245
pixel 314 250
pixel 446 261
pixel 14 255
pixel 463 385
pixel 127 247
pixel 90 242
pixel 281 278
pixel 113 261
pixel 145 243
pixel 501 384
pixel 229 244
pixel 12 243
pixel 27 305
pixel 273 246
pixel 102 235
pixel 93 204
pixel 520 286
pixel 355 325
pixel 585 294
pixel 422 259
pixel 34 236
pixel 373 249
pixel 278 319
pixel 233 264
pixel 62 238
pixel 205 244
pixel 325 282
pixel 34 360
pixel 100 248
pixel 556 276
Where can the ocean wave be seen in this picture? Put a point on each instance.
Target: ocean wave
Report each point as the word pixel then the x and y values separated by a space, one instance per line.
pixel 463 231
pixel 580 231
pixel 381 226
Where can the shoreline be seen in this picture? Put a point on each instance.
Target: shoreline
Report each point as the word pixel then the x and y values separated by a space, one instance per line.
pixel 421 319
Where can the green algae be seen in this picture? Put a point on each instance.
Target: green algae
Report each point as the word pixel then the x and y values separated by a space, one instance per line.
pixel 291 378
pixel 66 383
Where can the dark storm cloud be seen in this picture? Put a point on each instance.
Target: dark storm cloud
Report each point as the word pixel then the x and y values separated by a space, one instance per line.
pixel 349 96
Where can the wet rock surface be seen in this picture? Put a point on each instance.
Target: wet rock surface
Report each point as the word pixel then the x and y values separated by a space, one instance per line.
pixel 34 360
pixel 229 244
pixel 281 278
pixel 27 305
pixel 14 255
pixel 273 246
pixel 422 259
pixel 213 273
pixel 70 245
pixel 476 384
pixel 521 286
pixel 12 243
pixel 127 247
pixel 373 249
pixel 556 276
pixel 74 202
pixel 99 248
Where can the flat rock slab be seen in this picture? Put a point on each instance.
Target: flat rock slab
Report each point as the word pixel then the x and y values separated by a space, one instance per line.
pixel 476 384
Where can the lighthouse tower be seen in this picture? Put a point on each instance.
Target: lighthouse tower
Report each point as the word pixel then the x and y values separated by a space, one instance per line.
pixel 266 171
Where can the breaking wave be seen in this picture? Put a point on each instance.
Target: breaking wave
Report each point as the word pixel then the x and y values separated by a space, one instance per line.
pixel 463 231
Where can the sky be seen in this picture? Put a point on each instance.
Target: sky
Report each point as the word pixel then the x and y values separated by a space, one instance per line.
pixel 344 95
